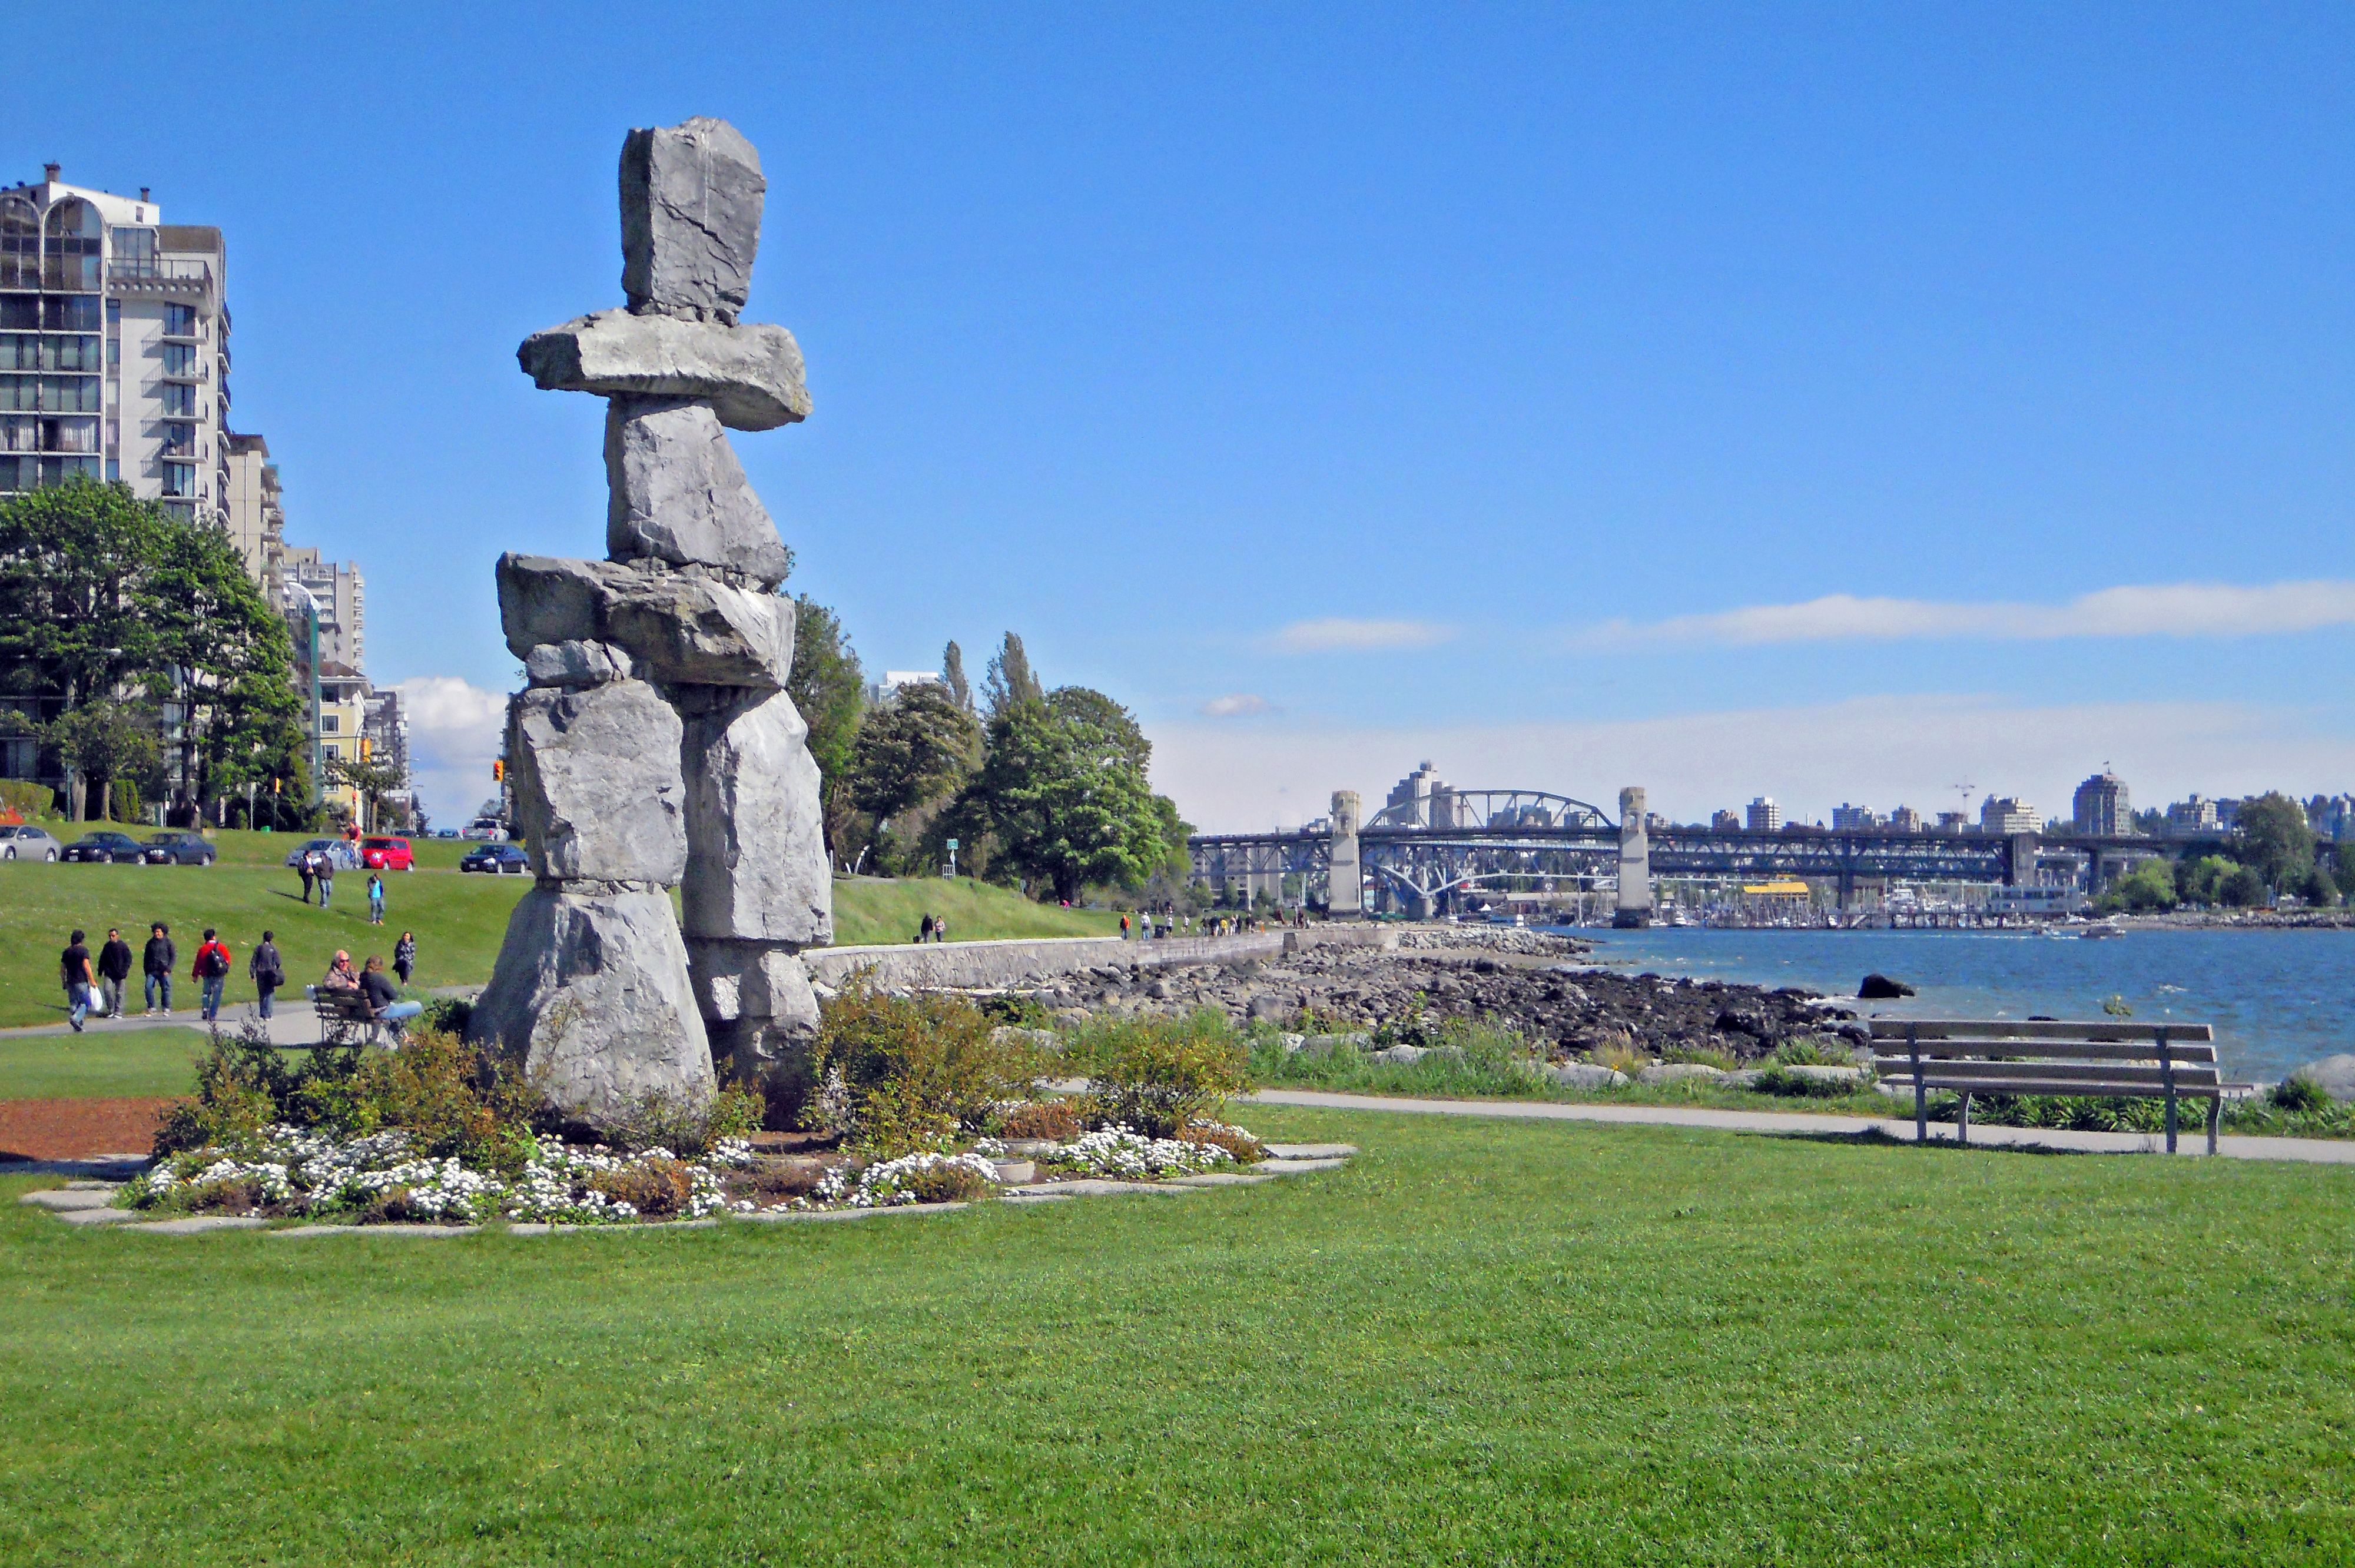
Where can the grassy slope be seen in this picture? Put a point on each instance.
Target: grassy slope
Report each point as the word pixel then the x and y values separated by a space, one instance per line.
pixel 1482 1342
pixel 458 919
pixel 135 1062
pixel 870 910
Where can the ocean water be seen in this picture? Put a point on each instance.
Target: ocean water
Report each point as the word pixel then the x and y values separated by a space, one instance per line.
pixel 2275 998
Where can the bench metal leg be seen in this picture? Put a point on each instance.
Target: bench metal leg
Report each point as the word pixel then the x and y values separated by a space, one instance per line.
pixel 2215 1115
pixel 1920 1095
pixel 1963 1123
pixel 2170 1118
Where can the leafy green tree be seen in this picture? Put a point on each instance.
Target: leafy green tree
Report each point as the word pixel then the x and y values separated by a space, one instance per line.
pixel 2199 881
pixel 2273 838
pixel 2318 889
pixel 1064 795
pixel 2150 885
pixel 912 752
pixel 2240 888
pixel 103 743
pixel 829 689
pixel 953 672
pixel 376 783
pixel 1009 681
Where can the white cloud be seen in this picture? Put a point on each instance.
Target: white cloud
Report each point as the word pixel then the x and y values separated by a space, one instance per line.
pixel 454 729
pixel 1233 705
pixel 2164 609
pixel 1335 634
pixel 1876 751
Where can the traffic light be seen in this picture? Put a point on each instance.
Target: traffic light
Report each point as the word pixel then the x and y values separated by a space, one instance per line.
pixel 499 770
pixel 364 748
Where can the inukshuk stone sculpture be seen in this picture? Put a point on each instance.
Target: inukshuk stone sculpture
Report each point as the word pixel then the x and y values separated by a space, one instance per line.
pixel 654 745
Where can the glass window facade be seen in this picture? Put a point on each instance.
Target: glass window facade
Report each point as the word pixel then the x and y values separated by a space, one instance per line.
pixel 179 320
pixel 51 394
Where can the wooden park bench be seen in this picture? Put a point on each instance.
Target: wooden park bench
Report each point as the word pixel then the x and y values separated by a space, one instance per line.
pixel 344 1016
pixel 2175 1062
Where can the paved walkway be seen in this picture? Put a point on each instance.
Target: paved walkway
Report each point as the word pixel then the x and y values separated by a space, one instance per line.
pixel 293 1022
pixel 2192 1140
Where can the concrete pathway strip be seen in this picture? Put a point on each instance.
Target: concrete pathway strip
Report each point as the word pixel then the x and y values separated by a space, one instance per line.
pixel 775 1215
pixel 59 1199
pixel 1310 1151
pixel 99 1216
pixel 300 1231
pixel 196 1225
pixel 2192 1140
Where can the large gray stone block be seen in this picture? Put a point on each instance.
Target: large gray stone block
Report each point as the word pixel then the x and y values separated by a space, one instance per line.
pixel 752 980
pixel 756 863
pixel 592 998
pixel 679 495
pixel 751 376
pixel 691 198
pixel 575 664
pixel 598 791
pixel 678 626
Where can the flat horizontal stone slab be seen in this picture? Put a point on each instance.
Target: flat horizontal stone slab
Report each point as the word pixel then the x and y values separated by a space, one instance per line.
pixel 1221 1179
pixel 98 1216
pixel 751 376
pixel 70 1198
pixel 197 1224
pixel 377 1231
pixel 1309 1150
pixel 93 1186
pixel 778 1215
pixel 1297 1167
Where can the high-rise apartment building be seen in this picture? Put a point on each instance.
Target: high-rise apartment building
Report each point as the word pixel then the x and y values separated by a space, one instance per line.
pixel 254 512
pixel 1763 816
pixel 1723 821
pixel 113 346
pixel 1855 819
pixel 2101 806
pixel 1905 820
pixel 342 596
pixel 2009 815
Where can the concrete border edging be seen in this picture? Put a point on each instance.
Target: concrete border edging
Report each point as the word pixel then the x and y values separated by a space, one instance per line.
pixel 1019 960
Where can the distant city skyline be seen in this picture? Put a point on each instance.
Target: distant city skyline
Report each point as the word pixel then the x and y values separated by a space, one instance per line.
pixel 1838 404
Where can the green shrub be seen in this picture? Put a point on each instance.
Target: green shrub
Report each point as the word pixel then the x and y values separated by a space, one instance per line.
pixel 27 799
pixel 1056 1119
pixel 897 1073
pixel 1154 1075
pixel 1701 1055
pixel 946 1183
pixel 2295 1094
pixel 684 1126
pixel 1775 1079
pixel 1814 1051
pixel 123 802
pixel 446 1015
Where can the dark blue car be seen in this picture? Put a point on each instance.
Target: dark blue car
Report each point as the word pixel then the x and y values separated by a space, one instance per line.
pixel 496 858
pixel 105 849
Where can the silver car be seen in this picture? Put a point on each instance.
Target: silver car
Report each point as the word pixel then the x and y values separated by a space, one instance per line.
pixel 27 842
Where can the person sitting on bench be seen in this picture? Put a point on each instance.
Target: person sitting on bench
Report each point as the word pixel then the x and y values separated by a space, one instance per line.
pixel 339 975
pixel 384 1002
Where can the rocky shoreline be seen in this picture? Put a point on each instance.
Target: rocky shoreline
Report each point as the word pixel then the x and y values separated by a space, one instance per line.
pixel 1533 983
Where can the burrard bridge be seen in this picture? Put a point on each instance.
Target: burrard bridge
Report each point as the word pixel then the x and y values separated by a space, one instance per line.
pixel 1419 854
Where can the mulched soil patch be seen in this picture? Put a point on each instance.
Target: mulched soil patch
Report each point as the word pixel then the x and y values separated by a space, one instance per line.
pixel 75 1130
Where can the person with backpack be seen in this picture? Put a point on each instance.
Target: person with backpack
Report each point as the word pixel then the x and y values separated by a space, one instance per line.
pixel 308 869
pixel 114 969
pixel 211 973
pixel 267 970
pixel 156 964
pixel 73 968
pixel 326 875
pixel 376 898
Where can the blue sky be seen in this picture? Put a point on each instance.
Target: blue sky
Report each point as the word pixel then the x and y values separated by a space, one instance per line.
pixel 1388 383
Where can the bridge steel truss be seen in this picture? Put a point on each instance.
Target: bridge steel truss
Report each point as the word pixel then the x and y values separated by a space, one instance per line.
pixel 1422 866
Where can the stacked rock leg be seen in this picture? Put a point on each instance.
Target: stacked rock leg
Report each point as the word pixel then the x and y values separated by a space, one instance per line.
pixel 656 746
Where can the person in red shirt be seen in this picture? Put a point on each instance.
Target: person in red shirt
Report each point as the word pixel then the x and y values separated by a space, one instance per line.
pixel 212 972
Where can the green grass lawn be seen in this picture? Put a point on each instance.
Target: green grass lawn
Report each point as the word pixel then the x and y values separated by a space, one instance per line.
pixel 459 918
pixel 1482 1342
pixel 131 1062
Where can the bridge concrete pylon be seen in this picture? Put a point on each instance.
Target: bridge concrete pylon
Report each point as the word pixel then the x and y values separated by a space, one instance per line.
pixel 1343 894
pixel 1634 907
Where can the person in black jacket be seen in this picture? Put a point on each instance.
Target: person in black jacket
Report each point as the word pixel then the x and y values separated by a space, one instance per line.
pixel 266 971
pixel 157 964
pixel 114 969
pixel 384 1002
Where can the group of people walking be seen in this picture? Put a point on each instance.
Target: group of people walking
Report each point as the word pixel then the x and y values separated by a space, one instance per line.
pixel 935 929
pixel 94 983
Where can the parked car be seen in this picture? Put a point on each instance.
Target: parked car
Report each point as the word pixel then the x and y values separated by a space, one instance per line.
pixel 180 849
pixel 496 858
pixel 106 849
pixel 27 842
pixel 444 833
pixel 387 854
pixel 339 852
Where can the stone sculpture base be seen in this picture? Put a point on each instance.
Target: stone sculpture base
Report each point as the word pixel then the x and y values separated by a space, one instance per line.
pixel 592 999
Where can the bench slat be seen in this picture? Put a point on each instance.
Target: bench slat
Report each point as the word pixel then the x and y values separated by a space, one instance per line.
pixel 2074 1091
pixel 2043 1071
pixel 2108 1029
pixel 2042 1050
